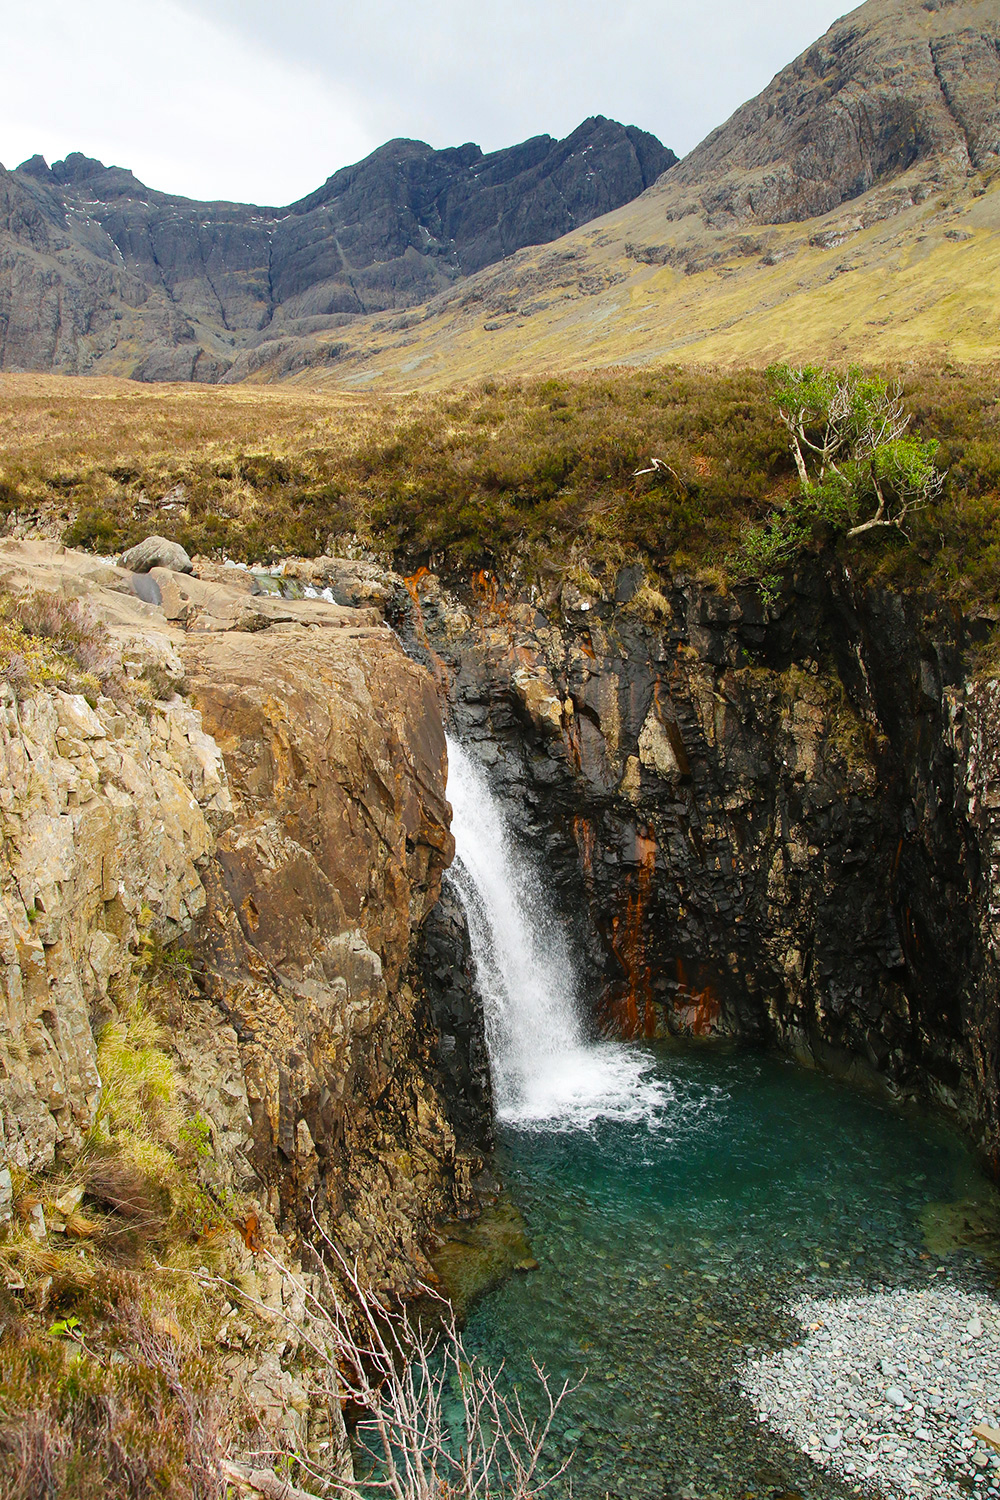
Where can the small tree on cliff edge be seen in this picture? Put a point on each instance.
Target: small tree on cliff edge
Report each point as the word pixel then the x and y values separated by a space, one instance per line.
pixel 859 468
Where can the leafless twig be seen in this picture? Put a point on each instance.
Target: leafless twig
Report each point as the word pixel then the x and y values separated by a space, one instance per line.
pixel 401 1377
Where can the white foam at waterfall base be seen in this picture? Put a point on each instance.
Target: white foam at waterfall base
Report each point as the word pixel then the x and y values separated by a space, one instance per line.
pixel 545 1071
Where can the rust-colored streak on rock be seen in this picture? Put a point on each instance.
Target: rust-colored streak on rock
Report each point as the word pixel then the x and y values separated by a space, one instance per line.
pixel 491 600
pixel 633 1014
pixel 696 1005
pixel 487 594
pixel 441 674
pixel 494 607
pixel 583 834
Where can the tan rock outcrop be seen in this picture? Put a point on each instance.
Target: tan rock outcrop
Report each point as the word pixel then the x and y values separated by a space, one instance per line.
pixel 335 753
pixel 290 820
pixel 105 825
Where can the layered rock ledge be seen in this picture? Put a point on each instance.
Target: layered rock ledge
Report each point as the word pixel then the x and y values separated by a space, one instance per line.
pixel 286 818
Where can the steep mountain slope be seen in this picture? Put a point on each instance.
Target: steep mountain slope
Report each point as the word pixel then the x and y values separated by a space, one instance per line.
pixel 100 273
pixel 851 208
pixel 897 82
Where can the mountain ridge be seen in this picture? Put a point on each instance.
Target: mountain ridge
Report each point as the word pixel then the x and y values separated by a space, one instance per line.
pixel 851 210
pixel 99 272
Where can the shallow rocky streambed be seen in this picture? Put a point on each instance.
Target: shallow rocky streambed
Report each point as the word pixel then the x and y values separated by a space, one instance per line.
pixel 766 1284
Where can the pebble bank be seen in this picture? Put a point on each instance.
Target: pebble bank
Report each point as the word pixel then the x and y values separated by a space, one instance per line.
pixel 885 1389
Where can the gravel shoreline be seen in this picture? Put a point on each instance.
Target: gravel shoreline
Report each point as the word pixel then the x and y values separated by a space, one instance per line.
pixel 885 1389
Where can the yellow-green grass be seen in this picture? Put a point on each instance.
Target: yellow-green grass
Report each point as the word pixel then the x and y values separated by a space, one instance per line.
pixel 112 1287
pixel 50 422
pixel 909 293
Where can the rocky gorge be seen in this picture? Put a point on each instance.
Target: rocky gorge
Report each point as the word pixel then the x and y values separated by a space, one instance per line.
pixel 775 825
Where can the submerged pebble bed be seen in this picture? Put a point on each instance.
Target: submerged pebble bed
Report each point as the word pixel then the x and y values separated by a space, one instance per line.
pixel 886 1388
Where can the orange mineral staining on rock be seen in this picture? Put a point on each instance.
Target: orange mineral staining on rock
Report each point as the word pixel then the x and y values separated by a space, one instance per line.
pixel 696 1005
pixel 583 835
pixel 632 1014
pixel 442 676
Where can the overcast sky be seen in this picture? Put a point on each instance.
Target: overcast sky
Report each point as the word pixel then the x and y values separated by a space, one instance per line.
pixel 260 101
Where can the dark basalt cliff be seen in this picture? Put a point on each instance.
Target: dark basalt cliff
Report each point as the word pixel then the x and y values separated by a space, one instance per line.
pixel 100 273
pixel 777 827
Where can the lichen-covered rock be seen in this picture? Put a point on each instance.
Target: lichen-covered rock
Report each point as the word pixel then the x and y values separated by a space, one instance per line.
pixel 156 552
pixel 106 829
pixel 289 825
pixel 335 753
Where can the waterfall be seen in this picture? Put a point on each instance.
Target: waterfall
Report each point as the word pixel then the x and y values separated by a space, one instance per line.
pixel 545 1071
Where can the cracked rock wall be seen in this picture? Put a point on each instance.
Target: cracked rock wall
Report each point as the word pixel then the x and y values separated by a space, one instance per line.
pixel 289 822
pixel 779 826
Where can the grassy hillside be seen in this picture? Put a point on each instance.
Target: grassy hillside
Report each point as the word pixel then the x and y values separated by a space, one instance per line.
pixel 881 278
pixel 535 477
pixel 851 210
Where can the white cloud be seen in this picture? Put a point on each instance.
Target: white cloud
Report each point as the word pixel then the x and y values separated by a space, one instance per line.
pixel 496 71
pixel 188 105
pixel 249 99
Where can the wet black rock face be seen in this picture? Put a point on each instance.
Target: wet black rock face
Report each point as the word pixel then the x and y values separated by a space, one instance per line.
pixel 774 827
pixel 447 978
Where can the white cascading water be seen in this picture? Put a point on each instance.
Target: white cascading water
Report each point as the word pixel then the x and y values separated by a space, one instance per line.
pixel 545 1072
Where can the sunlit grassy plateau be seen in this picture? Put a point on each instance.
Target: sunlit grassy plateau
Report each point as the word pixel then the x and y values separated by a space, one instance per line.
pixel 528 477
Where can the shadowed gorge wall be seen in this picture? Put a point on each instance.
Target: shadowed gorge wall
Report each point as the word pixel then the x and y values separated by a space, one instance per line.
pixel 774 826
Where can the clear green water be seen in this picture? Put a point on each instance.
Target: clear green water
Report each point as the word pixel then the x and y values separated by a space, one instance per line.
pixel 668 1249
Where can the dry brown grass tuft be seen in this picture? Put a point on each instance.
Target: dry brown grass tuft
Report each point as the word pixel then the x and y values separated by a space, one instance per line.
pixel 88 1414
pixel 106 1389
pixel 526 477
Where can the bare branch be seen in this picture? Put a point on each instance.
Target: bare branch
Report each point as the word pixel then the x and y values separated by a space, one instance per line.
pixel 399 1374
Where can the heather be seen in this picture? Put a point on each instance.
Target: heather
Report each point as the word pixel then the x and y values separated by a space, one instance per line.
pixel 530 478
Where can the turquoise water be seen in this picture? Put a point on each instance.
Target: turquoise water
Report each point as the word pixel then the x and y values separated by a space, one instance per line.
pixel 667 1251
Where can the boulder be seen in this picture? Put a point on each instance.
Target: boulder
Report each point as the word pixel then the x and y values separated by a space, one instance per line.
pixel 157 552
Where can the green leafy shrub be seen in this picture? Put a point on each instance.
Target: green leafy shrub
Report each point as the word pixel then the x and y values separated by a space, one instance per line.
pixel 859 469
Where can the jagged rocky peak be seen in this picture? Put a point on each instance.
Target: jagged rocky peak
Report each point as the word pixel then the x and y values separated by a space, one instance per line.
pixel 36 166
pixel 475 208
pixel 893 84
pixel 78 172
pixel 193 286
